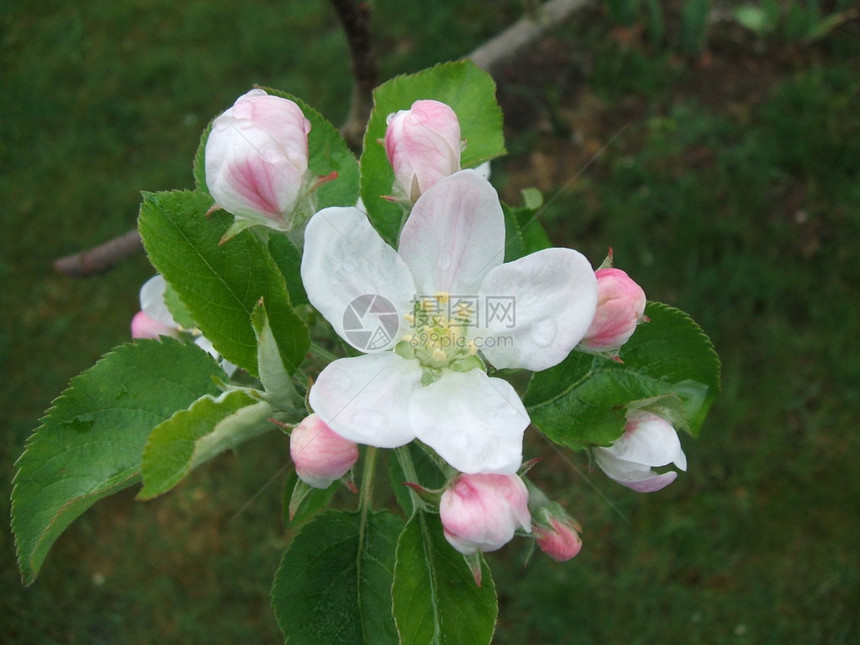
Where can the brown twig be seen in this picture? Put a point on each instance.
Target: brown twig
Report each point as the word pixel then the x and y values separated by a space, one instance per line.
pixel 496 52
pixel 355 19
pixel 100 258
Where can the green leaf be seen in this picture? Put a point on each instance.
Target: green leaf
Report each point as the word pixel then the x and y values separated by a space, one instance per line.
pixel 274 375
pixel 669 367
pixel 333 585
pixel 524 234
pixel 191 437
pixel 302 502
pixel 436 599
pixel 178 310
pixel 470 92
pixel 91 440
pixel 199 165
pixel 220 283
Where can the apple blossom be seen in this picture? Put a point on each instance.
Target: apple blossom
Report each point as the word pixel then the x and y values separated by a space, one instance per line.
pixel 620 307
pixel 423 146
pixel 648 441
pixel 482 512
pixel 257 159
pixel 434 385
pixel 320 455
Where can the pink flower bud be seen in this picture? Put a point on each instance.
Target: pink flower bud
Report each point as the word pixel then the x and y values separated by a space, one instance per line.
pixel 257 158
pixel 321 456
pixel 560 539
pixel 423 146
pixel 648 441
pixel 482 512
pixel 620 306
pixel 144 326
pixel 154 319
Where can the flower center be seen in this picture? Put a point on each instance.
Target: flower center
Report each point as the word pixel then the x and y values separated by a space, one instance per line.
pixel 439 338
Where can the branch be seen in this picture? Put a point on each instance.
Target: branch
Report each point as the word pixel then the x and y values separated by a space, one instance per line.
pixel 355 19
pixel 100 258
pixel 493 54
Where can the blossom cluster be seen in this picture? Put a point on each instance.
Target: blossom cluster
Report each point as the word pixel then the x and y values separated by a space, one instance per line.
pixel 442 391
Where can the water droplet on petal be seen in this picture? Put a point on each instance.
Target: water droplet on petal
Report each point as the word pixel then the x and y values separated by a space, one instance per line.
pixel 444 261
pixel 544 332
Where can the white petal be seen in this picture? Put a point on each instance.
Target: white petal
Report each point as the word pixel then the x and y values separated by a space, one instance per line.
pixel 474 422
pixel 454 235
pixel 366 399
pixel 152 301
pixel 549 298
pixel 355 279
pixel 634 476
pixel 653 442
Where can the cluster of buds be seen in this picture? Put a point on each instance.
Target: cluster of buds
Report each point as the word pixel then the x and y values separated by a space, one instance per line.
pixel 256 168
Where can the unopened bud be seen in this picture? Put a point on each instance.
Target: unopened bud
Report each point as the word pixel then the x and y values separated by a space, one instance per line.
pixel 257 159
pixel 320 455
pixel 649 441
pixel 482 512
pixel 620 307
pixel 423 146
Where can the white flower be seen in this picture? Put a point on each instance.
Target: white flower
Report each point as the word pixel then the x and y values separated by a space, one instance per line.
pixel 648 441
pixel 434 386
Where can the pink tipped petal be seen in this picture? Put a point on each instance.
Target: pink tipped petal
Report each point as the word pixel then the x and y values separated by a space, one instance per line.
pixel 651 484
pixel 454 236
pixel 143 326
pixel 552 295
pixel 632 475
pixel 366 399
pixel 475 423
pixel 355 280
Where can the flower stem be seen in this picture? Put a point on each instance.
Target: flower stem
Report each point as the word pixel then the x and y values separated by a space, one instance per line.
pixel 405 460
pixel 366 493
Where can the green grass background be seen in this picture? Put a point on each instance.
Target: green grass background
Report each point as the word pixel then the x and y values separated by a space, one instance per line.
pixel 730 191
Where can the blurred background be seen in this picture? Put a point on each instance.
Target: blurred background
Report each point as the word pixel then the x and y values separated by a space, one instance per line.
pixel 728 187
